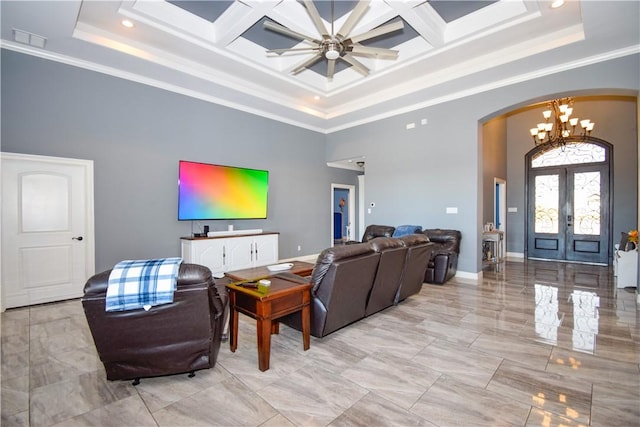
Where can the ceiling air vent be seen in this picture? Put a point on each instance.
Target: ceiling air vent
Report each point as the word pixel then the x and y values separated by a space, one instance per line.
pixel 29 38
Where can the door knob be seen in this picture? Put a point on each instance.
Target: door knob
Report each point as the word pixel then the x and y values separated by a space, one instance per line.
pixel 79 238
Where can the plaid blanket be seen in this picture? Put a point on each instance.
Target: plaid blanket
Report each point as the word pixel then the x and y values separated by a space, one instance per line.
pixel 137 284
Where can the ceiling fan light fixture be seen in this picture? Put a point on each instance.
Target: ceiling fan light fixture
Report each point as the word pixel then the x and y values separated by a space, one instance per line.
pixel 332 53
pixel 341 45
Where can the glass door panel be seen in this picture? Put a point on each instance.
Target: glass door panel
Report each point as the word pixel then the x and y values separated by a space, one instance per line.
pixel 586 203
pixel 546 203
pixel 587 238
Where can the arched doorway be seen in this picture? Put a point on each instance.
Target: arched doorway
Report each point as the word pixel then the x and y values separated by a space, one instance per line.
pixel 569 201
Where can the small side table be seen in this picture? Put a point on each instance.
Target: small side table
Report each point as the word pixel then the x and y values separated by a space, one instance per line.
pixel 626 263
pixel 495 239
pixel 283 297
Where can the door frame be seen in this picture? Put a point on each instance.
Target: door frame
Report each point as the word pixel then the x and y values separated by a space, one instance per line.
pixel 89 241
pixel 361 221
pixel 609 160
pixel 500 209
pixel 352 205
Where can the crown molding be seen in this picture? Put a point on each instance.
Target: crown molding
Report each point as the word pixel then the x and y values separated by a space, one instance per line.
pixel 88 65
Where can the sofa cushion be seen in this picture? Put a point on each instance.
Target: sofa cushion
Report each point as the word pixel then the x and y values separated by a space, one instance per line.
pixel 380 244
pixel 445 240
pixel 414 239
pixel 373 231
pixel 336 253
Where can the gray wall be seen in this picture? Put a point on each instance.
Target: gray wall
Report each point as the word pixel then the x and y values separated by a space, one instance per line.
pixel 494 154
pixel 440 164
pixel 136 134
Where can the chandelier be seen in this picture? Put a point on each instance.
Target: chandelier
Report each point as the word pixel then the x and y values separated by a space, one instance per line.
pixel 559 125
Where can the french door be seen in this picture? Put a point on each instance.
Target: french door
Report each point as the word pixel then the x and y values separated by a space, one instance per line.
pixel 568 206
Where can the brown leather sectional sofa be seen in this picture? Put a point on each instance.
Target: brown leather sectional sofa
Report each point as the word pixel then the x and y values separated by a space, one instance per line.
pixel 353 281
pixel 181 337
pixel 444 258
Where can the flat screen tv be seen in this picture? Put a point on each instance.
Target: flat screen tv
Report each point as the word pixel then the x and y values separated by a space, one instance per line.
pixel 208 192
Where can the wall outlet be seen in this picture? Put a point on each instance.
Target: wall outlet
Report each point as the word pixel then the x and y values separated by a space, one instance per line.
pixel 299 248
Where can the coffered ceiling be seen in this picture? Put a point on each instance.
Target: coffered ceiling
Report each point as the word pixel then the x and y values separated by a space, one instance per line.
pixel 217 50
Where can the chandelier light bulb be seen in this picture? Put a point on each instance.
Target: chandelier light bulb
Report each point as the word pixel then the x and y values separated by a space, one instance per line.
pixel 546 114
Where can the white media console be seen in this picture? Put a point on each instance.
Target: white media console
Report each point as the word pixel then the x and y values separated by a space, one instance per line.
pixel 231 250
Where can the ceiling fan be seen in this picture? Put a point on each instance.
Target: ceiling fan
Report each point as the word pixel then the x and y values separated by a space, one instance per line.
pixel 334 46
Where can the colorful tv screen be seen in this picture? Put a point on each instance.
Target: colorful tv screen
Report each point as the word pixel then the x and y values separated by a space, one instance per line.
pixel 207 191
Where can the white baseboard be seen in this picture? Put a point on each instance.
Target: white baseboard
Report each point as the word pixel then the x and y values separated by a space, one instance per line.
pixel 515 255
pixel 468 275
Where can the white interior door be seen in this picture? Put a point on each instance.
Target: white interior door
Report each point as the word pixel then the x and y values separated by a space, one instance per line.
pixel 351 219
pixel 47 228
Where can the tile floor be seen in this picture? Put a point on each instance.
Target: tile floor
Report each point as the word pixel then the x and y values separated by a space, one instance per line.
pixel 535 344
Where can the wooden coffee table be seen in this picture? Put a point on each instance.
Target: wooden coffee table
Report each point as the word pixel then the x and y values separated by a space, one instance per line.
pixel 299 268
pixel 283 297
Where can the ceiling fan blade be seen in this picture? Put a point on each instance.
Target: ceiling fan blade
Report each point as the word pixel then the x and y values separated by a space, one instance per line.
pixel 357 65
pixel 270 25
pixel 380 31
pixel 377 52
pixel 307 63
pixel 353 19
pixel 317 20
pixel 331 68
pixel 293 50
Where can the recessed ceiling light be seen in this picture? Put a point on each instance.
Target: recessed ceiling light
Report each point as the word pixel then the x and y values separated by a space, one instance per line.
pixel 317 97
pixel 127 23
pixel 557 3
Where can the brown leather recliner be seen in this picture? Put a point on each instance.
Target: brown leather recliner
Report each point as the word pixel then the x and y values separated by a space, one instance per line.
pixel 419 250
pixel 183 336
pixel 444 260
